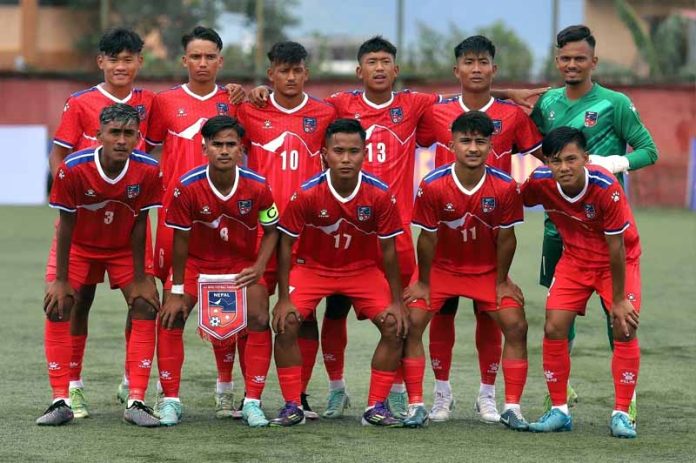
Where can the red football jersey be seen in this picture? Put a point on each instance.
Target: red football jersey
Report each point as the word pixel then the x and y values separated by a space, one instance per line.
pixel 223 228
pixel 391 137
pixel 106 208
pixel 515 132
pixel 80 119
pixel 338 236
pixel 284 145
pixel 176 120
pixel 601 208
pixel 467 221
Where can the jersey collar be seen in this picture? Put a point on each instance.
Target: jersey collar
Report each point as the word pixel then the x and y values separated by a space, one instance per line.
pixel 289 111
pixel 111 181
pixel 483 110
pixel 111 97
pixel 198 97
pixel 579 196
pixel 335 194
pixel 378 106
pixel 216 191
pixel 461 187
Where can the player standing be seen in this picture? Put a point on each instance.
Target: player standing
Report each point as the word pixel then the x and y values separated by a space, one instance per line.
pixel 513 132
pixel 601 252
pixel 610 123
pixel 215 212
pixel 467 211
pixel 177 117
pixel 284 140
pixel 104 195
pixel 120 60
pixel 338 216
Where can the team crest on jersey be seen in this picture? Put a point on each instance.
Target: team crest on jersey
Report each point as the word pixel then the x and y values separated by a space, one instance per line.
pixel 142 112
pixel 222 109
pixel 396 114
pixel 591 118
pixel 364 213
pixel 132 191
pixel 309 124
pixel 497 126
pixel 244 206
pixel 589 211
pixel 488 204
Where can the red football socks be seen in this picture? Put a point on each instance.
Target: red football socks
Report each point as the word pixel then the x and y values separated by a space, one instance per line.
pixel 414 371
pixel 224 359
pixel 441 345
pixel 625 364
pixel 57 345
pixel 77 355
pixel 127 333
pixel 489 344
pixel 515 373
pixel 257 361
pixel 290 379
pixel 308 350
pixel 334 338
pixel 556 360
pixel 141 350
pixel 170 358
pixel 241 350
pixel 380 384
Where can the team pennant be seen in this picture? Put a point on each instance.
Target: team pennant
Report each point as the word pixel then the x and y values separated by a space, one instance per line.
pixel 222 307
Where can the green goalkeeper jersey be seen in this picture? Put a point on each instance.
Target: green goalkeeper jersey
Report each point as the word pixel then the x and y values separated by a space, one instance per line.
pixel 609 121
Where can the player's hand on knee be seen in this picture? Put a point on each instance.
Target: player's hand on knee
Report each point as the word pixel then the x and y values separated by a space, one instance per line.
pixel 626 316
pixel 248 276
pixel 173 308
pixel 281 312
pixel 146 290
pixel 399 312
pixel 509 289
pixel 258 96
pixel 417 290
pixel 59 297
pixel 236 93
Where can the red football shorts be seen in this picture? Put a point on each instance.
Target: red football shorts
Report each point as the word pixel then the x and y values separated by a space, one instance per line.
pixel 86 269
pixel 193 270
pixel 368 290
pixel 406 254
pixel 573 285
pixel 478 287
pixel 164 241
pixel 50 275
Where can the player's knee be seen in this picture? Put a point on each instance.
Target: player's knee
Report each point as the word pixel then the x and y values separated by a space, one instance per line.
pixel 142 310
pixel 516 330
pixel 258 320
pixel 554 330
pixel 54 317
pixel 450 306
pixel 620 336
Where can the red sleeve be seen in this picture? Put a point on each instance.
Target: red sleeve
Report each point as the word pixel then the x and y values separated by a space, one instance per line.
pixel 152 196
pixel 388 219
pixel 334 99
pixel 179 211
pixel 63 195
pixel 513 211
pixel 241 117
pixel 527 135
pixel 70 128
pixel 156 124
pixel 425 134
pixel 614 205
pixel 292 220
pixel 423 101
pixel 530 191
pixel 425 208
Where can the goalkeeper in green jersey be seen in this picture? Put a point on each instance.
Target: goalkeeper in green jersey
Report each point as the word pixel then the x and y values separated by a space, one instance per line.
pixel 609 121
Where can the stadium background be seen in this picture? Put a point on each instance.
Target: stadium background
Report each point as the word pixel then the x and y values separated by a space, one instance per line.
pixel 41 63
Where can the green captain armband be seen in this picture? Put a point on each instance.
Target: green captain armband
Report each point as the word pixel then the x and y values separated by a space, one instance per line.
pixel 269 216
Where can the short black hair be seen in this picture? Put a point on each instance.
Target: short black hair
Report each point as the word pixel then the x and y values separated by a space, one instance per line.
pixel 476 44
pixel 118 40
pixel 559 138
pixel 473 122
pixel 287 53
pixel 119 112
pixel 575 34
pixel 202 33
pixel 344 126
pixel 217 124
pixel 375 44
